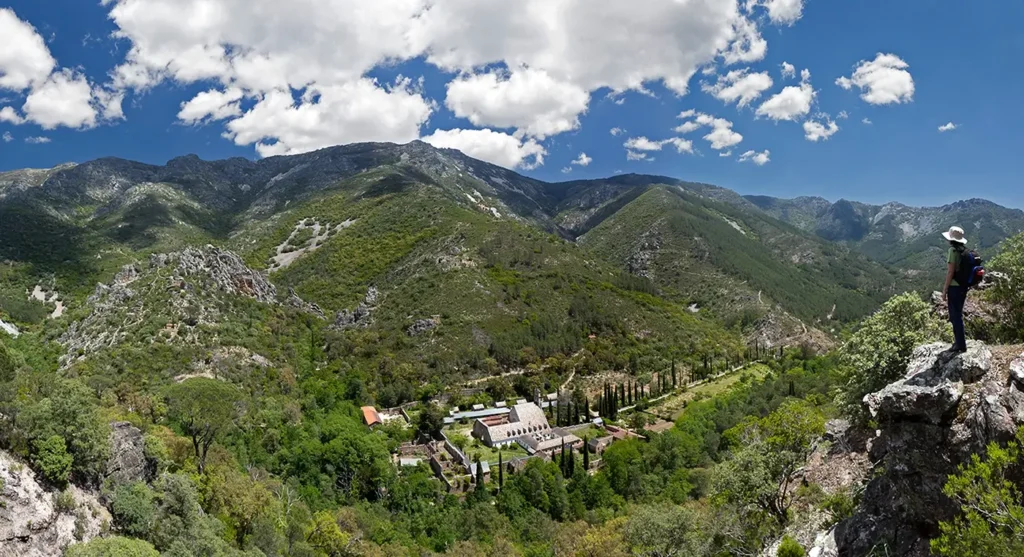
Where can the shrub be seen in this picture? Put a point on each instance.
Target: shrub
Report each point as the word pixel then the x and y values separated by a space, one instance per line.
pixel 790 548
pixel 840 505
pixel 52 459
pixel 64 501
pixel 878 353
pixel 991 503
pixel 112 547
pixel 1008 294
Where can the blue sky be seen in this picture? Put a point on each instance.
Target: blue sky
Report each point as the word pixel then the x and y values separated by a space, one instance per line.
pixel 548 78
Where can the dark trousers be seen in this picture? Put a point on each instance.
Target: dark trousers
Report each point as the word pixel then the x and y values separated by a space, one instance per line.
pixel 957 296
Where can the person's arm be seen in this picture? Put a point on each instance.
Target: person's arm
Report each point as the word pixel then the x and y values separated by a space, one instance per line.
pixel 949 278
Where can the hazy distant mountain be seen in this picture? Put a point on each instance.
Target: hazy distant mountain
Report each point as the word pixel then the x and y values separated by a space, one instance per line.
pixel 903 236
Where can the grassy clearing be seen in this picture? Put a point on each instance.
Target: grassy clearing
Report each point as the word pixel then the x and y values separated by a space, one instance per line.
pixel 675 405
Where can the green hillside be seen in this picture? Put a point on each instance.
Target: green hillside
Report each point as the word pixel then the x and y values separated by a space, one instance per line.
pixel 721 256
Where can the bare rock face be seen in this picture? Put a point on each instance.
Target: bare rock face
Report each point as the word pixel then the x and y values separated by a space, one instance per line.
pixel 360 317
pixel 227 270
pixel 128 461
pixel 946 408
pixel 32 524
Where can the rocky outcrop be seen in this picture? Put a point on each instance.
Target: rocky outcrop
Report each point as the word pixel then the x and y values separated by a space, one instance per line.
pixel 227 271
pixel 302 305
pixel 32 521
pixel 186 289
pixel 423 325
pixel 641 258
pixel 360 317
pixel 128 462
pixel 946 408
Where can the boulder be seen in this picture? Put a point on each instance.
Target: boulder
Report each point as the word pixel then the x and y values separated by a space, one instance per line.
pixel 423 325
pixel 128 462
pixel 1017 372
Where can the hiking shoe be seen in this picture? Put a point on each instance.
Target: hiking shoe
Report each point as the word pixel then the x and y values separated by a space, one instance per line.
pixel 957 349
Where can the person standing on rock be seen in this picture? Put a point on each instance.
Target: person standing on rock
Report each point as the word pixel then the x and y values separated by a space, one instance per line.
pixel 954 293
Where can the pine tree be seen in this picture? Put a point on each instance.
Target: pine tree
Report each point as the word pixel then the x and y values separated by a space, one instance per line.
pixel 501 472
pixel 586 453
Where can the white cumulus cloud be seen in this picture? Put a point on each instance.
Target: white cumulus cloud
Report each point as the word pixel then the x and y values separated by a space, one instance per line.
pixel 212 105
pixel 760 159
pixel 11 116
pixel 739 86
pixel 884 80
pixel 37 140
pixel 784 12
pixel 722 136
pixel 494 147
pixel 531 66
pixel 616 131
pixel 815 130
pixel 357 111
pixel 788 70
pixel 636 144
pixel 53 97
pixel 24 59
pixel 792 103
pixel 8 137
pixel 582 160
pixel 947 127
pixel 527 99
pixel 866 121
pixel 64 99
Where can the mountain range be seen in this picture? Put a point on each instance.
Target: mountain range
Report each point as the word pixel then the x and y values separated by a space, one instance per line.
pixel 490 262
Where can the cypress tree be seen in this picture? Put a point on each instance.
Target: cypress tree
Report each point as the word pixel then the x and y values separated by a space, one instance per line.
pixel 479 474
pixel 673 373
pixel 562 463
pixel 501 472
pixel 586 453
pixel 572 463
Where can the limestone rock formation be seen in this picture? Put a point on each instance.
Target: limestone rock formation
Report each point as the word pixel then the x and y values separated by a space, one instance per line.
pixel 32 524
pixel 227 271
pixel 946 408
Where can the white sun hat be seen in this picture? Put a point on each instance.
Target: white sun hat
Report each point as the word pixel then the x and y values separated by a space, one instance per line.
pixel 955 234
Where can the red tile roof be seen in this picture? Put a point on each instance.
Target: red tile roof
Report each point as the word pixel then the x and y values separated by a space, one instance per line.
pixel 370 416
